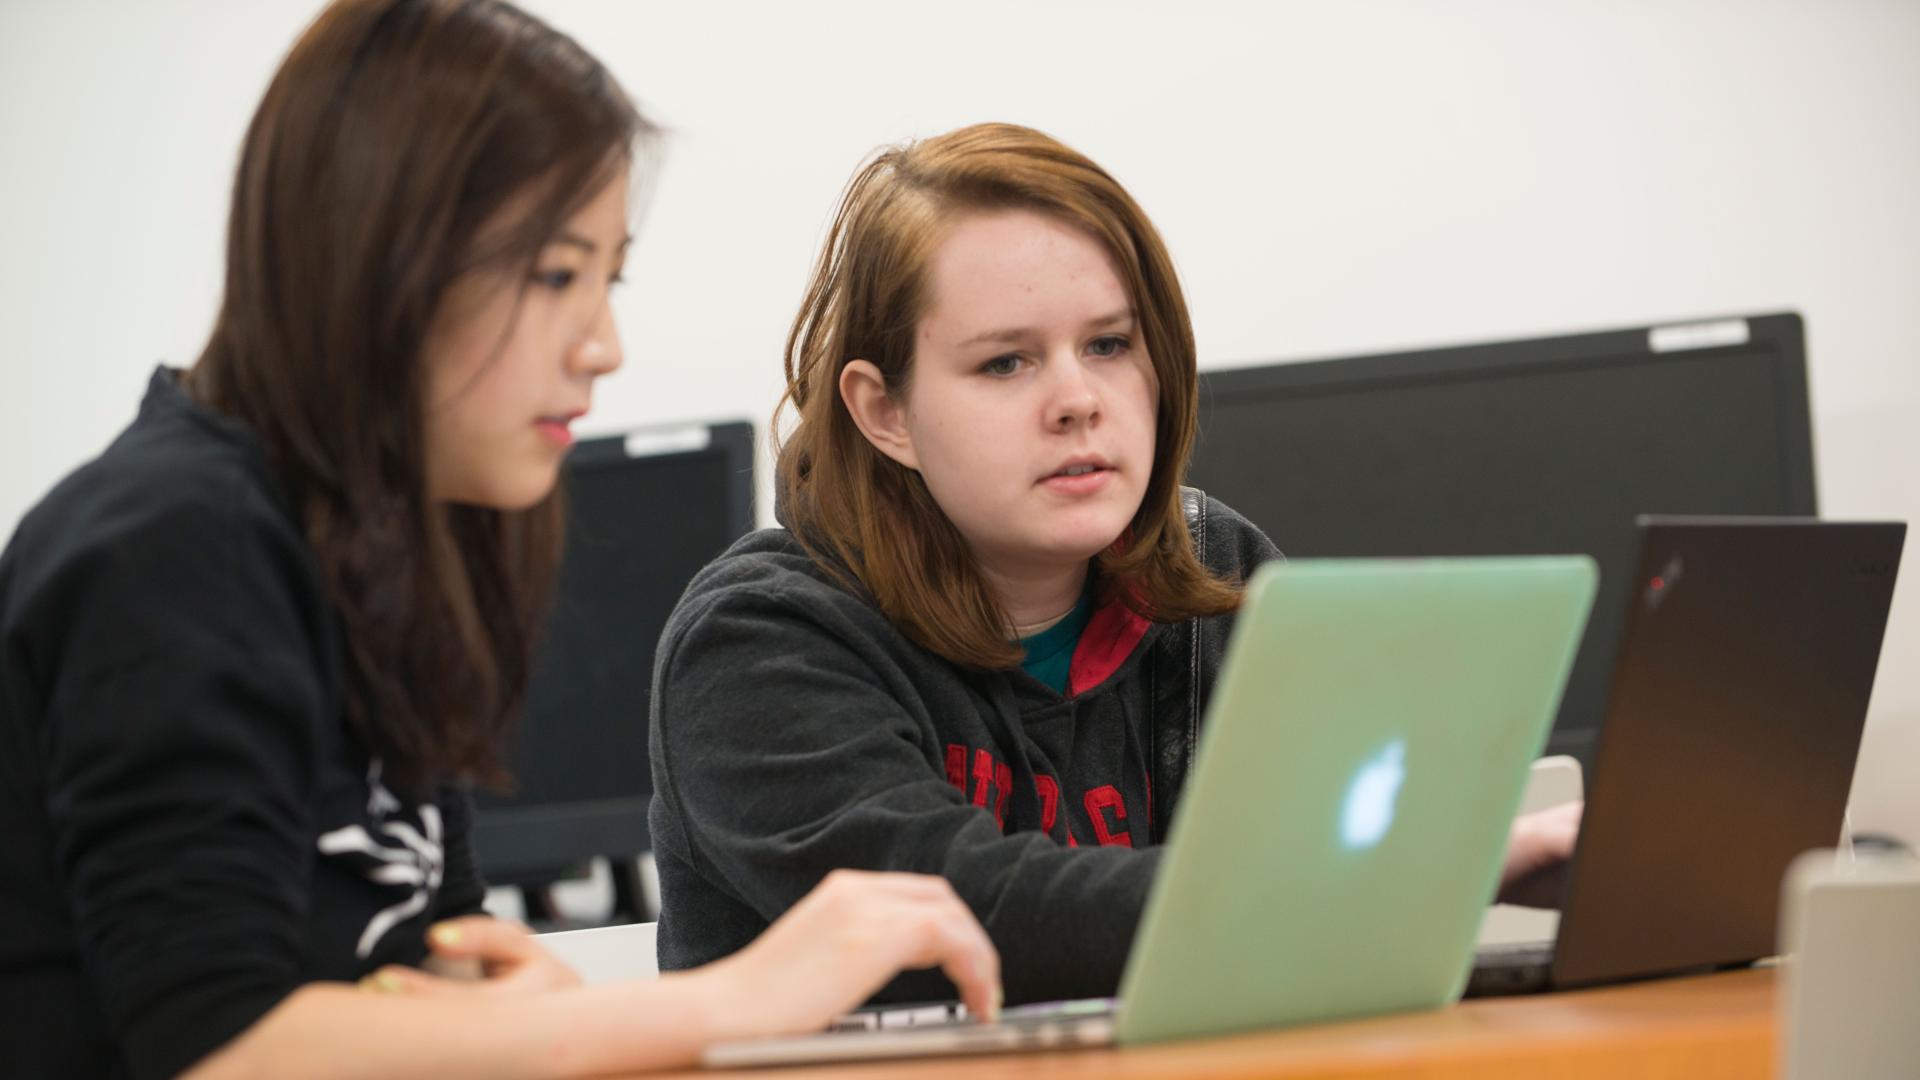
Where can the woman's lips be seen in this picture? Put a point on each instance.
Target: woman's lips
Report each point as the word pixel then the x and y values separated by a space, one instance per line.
pixel 557 430
pixel 1086 483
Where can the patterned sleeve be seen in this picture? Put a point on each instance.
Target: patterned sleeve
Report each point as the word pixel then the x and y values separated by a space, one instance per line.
pixel 463 890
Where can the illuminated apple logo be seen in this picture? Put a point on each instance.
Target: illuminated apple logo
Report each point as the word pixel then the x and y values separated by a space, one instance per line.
pixel 1368 813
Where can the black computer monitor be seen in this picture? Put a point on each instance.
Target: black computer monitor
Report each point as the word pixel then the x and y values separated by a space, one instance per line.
pixel 1549 445
pixel 646 511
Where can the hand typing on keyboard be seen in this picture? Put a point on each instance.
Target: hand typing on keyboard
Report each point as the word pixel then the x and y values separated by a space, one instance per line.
pixel 852 933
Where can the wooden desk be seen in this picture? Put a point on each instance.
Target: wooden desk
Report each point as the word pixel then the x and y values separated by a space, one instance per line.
pixel 1698 1028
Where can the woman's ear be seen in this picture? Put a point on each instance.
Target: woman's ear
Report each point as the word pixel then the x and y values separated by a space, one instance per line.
pixel 881 418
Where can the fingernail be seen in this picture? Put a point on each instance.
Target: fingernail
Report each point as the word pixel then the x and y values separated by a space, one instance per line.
pixel 445 934
pixel 382 982
pixel 999 998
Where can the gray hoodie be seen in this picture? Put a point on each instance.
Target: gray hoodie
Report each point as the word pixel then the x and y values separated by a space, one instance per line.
pixel 795 730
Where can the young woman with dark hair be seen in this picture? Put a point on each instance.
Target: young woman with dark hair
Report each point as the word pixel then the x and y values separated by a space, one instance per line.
pixel 253 655
pixel 984 646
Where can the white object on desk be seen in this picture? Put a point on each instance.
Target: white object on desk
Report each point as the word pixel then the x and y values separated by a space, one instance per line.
pixel 607 954
pixel 1553 781
pixel 1850 973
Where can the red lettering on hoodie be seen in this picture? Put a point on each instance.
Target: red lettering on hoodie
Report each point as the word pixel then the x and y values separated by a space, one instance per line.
pixel 982 776
pixel 957 766
pixel 1103 798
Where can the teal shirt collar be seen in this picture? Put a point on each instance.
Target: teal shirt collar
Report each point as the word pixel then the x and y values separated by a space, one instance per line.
pixel 1050 652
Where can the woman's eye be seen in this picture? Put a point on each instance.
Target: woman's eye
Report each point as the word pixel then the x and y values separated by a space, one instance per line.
pixel 553 279
pixel 1002 365
pixel 1111 345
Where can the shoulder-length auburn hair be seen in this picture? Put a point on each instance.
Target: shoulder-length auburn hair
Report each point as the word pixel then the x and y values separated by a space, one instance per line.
pixel 871 519
pixel 393 131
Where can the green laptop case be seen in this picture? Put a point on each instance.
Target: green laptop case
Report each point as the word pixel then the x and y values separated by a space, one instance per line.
pixel 1345 821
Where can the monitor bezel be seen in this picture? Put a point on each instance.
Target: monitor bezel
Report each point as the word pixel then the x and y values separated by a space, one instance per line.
pixel 1780 334
pixel 518 843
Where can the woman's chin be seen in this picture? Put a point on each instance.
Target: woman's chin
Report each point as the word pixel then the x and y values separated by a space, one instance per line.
pixel 1082 545
pixel 510 495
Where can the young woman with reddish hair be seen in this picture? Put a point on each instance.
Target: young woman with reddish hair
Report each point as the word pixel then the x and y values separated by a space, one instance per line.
pixel 982 645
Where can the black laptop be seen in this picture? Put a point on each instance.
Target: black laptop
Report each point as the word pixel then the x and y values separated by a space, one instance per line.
pixel 1733 720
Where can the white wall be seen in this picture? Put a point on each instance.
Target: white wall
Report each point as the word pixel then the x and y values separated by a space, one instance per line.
pixel 1332 177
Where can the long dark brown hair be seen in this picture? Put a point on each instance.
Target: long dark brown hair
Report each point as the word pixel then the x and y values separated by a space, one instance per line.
pixel 393 131
pixel 854 507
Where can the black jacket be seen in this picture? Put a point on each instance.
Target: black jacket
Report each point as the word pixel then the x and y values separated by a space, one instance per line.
pixel 795 731
pixel 190 832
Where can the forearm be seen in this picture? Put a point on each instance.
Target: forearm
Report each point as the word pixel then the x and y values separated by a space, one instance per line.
pixel 337 1031
pixel 1063 919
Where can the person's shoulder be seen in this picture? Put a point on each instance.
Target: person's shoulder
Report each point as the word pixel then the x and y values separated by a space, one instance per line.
pixel 766 578
pixel 1225 539
pixel 177 484
pixel 764 557
pixel 1226 518
pixel 172 545
pixel 767 566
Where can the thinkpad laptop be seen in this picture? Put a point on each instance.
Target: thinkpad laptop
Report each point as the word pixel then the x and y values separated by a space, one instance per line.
pixel 1734 717
pixel 1345 821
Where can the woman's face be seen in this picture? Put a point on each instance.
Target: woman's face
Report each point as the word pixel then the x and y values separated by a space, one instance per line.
pixel 510 362
pixel 1030 407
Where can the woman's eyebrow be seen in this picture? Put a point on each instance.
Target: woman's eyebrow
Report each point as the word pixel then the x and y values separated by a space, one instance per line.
pixel 572 239
pixel 1018 333
pixel 1007 336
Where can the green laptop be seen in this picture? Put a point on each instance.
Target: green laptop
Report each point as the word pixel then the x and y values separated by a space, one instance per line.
pixel 1343 828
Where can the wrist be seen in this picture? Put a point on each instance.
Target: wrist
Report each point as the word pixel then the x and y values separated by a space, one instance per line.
pixel 638 1025
pixel 714 1003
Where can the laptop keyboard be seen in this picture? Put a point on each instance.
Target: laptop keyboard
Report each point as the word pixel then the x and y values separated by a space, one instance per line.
pixel 1521 968
pixel 902 1016
pixel 948 1014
